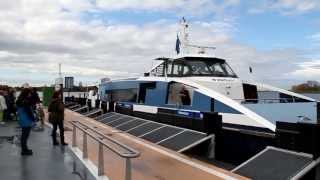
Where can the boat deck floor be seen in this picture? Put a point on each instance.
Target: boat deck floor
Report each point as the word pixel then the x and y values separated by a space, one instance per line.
pixel 154 163
pixel 47 162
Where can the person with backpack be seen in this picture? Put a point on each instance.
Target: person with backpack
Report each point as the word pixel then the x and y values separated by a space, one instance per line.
pixel 26 119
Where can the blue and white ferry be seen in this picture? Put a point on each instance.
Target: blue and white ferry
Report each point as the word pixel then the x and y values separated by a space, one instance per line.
pixel 195 83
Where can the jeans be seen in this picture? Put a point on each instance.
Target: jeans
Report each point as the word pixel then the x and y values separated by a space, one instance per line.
pixel 24 138
pixel 57 124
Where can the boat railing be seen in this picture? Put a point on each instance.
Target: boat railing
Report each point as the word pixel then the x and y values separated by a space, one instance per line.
pixel 266 101
pixel 127 154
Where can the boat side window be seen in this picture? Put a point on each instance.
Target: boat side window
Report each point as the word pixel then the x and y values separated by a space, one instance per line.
pixel 179 94
pixel 178 69
pixel 124 95
pixel 199 68
pixel 169 66
pixel 217 69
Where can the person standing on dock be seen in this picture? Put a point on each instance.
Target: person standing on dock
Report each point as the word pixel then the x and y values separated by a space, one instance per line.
pixel 3 107
pixel 11 107
pixel 26 119
pixel 56 118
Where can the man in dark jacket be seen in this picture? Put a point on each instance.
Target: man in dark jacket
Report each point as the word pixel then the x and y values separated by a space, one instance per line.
pixel 56 117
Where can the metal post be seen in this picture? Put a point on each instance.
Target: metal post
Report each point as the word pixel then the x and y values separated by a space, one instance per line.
pixel 74 134
pixel 128 169
pixel 85 147
pixel 100 160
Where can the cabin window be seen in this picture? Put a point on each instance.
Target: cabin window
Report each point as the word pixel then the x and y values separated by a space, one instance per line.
pixel 179 94
pixel 143 91
pixel 178 69
pixel 123 95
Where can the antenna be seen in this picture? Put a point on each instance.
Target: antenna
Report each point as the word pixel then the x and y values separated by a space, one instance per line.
pixel 184 39
pixel 60 74
pixel 184 35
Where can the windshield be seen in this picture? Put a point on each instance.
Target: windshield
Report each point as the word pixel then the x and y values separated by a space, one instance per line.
pixel 209 67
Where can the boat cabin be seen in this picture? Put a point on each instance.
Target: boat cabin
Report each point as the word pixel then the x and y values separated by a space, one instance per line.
pixel 193 66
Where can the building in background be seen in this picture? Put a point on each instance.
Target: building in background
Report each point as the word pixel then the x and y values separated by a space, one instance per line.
pixel 69 82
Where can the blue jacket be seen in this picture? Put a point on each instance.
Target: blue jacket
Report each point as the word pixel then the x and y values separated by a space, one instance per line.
pixel 24 118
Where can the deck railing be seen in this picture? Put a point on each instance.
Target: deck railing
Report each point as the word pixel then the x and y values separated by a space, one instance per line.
pixel 93 133
pixel 266 101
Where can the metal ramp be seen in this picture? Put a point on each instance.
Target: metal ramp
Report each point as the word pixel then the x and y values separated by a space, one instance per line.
pixel 80 109
pixel 277 164
pixel 92 113
pixel 172 137
pixel 73 107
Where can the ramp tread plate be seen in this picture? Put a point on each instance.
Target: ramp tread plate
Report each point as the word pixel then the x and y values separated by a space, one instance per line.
pixel 144 129
pixel 109 119
pixel 131 125
pixel 161 134
pixel 182 140
pixel 91 112
pixel 274 164
pixel 72 108
pixel 120 121
pixel 104 116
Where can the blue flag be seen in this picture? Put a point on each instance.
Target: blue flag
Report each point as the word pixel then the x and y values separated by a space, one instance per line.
pixel 178 45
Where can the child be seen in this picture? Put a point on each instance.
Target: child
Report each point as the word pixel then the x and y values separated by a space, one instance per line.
pixel 40 113
pixel 40 117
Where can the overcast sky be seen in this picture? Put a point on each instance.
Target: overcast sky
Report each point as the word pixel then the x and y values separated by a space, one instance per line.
pixel 279 39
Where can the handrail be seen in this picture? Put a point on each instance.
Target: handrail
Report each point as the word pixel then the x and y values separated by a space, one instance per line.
pixel 268 100
pixel 86 131
pixel 132 153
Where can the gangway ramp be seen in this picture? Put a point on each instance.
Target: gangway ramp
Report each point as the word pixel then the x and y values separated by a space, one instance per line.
pixel 80 109
pixel 277 164
pixel 154 163
pixel 92 113
pixel 172 137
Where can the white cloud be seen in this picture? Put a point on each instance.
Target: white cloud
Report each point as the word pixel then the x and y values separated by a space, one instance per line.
pixel 36 35
pixel 190 7
pixel 315 37
pixel 307 70
pixel 287 7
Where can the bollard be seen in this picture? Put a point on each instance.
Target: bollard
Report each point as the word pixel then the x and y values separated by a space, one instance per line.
pixel 101 160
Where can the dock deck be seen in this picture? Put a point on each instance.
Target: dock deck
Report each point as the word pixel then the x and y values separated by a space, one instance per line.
pixel 47 162
pixel 154 163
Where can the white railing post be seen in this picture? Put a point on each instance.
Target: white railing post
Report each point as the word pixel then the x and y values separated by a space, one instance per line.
pixel 85 146
pixel 128 169
pixel 101 160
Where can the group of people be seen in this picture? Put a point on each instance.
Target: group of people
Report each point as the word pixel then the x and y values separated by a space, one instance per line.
pixel 7 105
pixel 29 111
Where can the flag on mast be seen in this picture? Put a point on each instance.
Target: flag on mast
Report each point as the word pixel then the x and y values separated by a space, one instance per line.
pixel 178 45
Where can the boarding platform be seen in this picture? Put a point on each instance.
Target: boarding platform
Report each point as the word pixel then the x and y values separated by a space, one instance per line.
pixel 154 162
pixel 172 137
pixel 184 145
pixel 47 162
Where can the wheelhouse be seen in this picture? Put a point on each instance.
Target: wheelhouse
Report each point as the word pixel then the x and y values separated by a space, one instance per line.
pixel 193 66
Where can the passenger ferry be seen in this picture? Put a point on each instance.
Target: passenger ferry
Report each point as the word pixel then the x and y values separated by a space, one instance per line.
pixel 195 83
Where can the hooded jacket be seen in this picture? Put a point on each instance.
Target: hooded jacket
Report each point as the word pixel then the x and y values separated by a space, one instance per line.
pixel 25 114
pixel 56 110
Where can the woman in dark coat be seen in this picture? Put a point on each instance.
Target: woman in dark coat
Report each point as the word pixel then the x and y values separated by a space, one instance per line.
pixel 56 117
pixel 26 119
